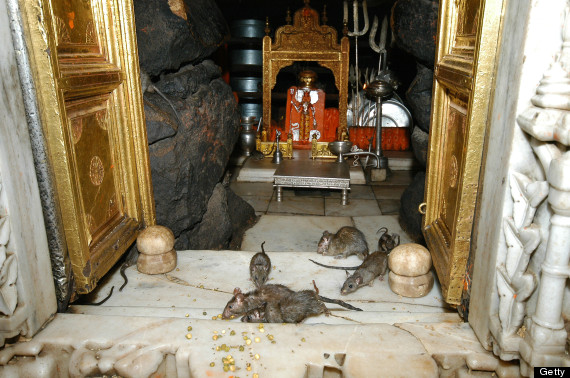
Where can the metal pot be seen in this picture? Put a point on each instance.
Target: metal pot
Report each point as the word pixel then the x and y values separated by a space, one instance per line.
pixel 247 135
pixel 251 109
pixel 246 84
pixel 240 57
pixel 248 28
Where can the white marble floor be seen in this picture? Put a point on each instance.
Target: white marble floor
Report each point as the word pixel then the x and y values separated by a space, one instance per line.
pixel 392 337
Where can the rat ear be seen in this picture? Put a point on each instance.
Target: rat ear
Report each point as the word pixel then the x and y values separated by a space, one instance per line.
pixel 347 274
pixel 358 280
pixel 237 290
pixel 239 297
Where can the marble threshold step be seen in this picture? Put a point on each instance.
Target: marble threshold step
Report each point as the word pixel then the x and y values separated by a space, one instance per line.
pixel 168 325
pixel 203 283
pixel 92 345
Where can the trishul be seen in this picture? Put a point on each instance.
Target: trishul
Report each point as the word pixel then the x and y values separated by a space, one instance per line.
pixel 356 33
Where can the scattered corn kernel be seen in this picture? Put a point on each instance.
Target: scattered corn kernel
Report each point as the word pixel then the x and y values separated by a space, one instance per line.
pixel 257 339
pixel 218 348
pixel 188 336
pixel 256 375
pixel 303 339
pixel 241 348
pixel 214 317
pixel 223 331
pixel 215 331
pixel 187 315
pixel 215 337
pixel 270 337
pixel 232 368
pixel 189 328
pixel 212 364
pixel 204 313
pixel 248 368
pixel 262 330
pixel 245 337
pixel 219 316
pixel 256 356
pixel 248 341
pixel 232 333
pixel 227 348
pixel 226 368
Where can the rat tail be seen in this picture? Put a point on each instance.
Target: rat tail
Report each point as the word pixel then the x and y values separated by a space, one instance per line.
pixel 339 302
pixel 335 267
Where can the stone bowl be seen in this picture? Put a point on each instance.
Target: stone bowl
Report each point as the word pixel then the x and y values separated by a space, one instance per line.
pixel 339 147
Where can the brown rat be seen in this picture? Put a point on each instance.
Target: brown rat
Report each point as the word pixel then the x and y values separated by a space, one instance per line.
pixel 373 266
pixel 242 303
pixel 347 241
pixel 293 308
pixel 387 242
pixel 260 267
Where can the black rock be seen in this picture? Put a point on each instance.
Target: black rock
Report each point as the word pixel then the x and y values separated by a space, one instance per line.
pixel 242 216
pixel 215 229
pixel 188 80
pixel 418 97
pixel 414 26
pixel 410 219
pixel 187 165
pixel 173 33
pixel 420 141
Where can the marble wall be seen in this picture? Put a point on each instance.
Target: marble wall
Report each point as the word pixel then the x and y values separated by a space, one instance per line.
pixel 28 303
pixel 536 26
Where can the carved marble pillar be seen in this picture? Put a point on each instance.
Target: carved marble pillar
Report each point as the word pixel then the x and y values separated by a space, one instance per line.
pixel 548 123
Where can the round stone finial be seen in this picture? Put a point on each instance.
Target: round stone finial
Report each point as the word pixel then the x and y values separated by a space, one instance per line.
pixel 411 287
pixel 155 240
pixel 379 89
pixel 410 260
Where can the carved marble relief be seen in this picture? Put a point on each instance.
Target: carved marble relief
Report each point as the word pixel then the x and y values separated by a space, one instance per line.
pixel 537 336
pixel 8 263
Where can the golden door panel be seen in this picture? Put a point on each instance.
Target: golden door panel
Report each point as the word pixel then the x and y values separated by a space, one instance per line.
pixel 467 22
pixel 464 71
pixel 94 129
pixel 453 160
pixel 94 166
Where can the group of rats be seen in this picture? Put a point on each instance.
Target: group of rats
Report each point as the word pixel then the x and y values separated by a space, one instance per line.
pixel 276 303
pixel 348 241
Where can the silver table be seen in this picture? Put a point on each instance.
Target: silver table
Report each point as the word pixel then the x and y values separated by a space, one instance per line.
pixel 312 174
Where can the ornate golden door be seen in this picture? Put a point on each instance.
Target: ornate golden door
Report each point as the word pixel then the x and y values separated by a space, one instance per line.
pixel 467 44
pixel 85 67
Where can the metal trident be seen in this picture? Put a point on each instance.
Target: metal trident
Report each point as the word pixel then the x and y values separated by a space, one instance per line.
pixel 381 46
pixel 356 33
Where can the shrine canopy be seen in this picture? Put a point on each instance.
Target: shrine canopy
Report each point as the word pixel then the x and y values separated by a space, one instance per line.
pixel 306 40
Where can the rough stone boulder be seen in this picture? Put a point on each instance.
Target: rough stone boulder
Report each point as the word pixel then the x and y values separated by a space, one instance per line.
pixel 175 32
pixel 418 97
pixel 188 158
pixel 420 143
pixel 410 219
pixel 414 26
